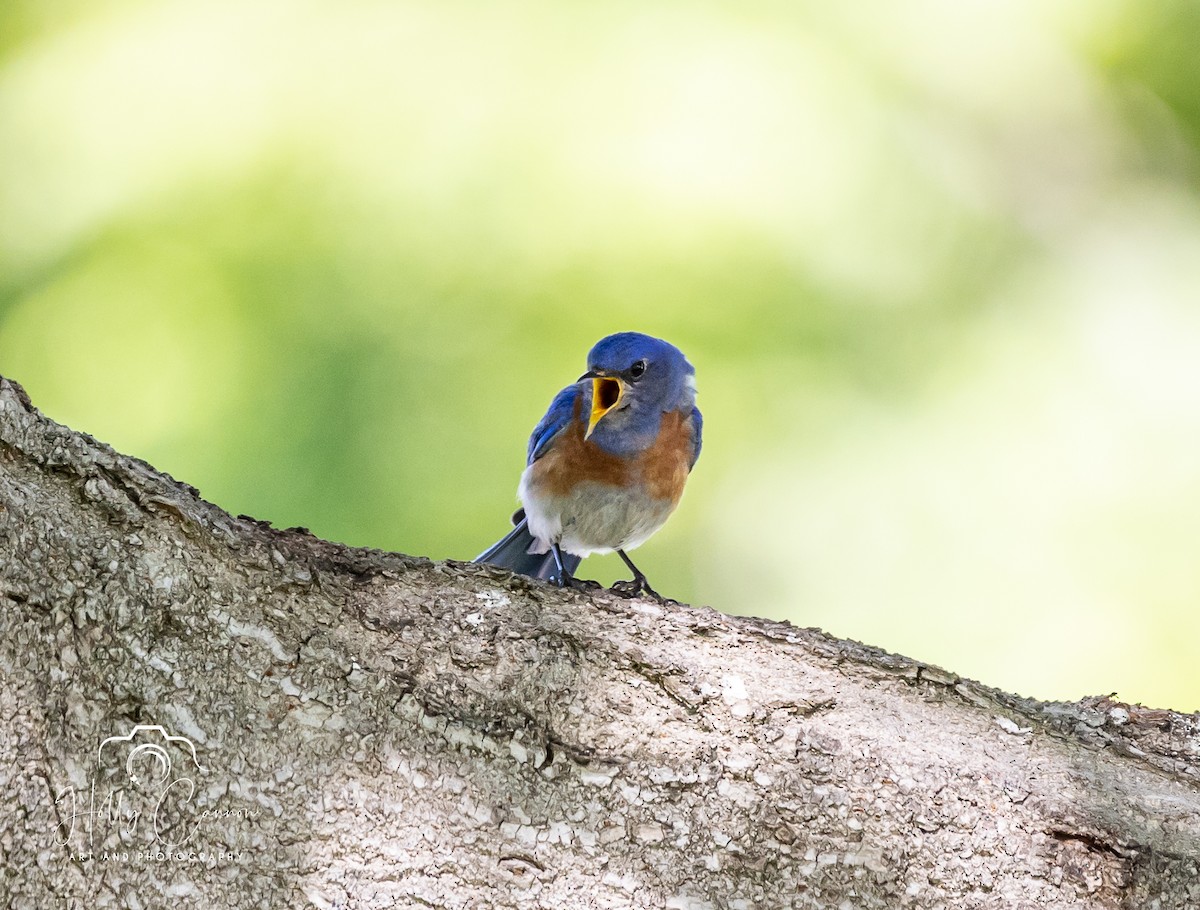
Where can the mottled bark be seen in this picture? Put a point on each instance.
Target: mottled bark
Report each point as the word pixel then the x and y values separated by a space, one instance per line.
pixel 375 730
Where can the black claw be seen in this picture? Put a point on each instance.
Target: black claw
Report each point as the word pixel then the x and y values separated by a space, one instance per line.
pixel 564 579
pixel 583 584
pixel 637 585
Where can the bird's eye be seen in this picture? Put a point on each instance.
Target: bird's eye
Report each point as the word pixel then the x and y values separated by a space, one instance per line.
pixel 637 369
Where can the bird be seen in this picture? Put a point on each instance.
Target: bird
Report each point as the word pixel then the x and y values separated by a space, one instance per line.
pixel 607 464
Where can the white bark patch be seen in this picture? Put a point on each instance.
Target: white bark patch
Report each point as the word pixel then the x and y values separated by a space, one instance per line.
pixel 733 692
pixel 493 600
pixel 311 714
pixel 649 834
pixel 1009 726
pixel 597 777
pixel 256 633
pixel 688 902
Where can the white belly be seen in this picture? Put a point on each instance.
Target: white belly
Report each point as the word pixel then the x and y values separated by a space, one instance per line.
pixel 593 518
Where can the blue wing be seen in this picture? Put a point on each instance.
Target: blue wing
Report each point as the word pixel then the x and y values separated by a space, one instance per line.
pixel 697 432
pixel 560 414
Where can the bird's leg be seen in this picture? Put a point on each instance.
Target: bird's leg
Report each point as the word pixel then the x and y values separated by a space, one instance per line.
pixel 564 579
pixel 638 584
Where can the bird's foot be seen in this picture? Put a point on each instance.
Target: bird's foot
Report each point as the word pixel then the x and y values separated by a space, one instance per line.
pixel 636 586
pixel 579 584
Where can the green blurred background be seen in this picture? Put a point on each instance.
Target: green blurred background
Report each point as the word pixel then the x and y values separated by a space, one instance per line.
pixel 937 265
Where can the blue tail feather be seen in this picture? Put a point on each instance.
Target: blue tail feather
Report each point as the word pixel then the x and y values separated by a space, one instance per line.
pixel 512 553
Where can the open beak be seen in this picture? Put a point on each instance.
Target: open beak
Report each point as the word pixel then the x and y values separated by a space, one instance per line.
pixel 606 395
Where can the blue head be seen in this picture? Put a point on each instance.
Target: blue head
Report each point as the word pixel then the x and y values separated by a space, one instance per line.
pixel 634 380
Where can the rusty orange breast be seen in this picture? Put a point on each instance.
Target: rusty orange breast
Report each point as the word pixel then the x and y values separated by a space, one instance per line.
pixel 661 470
pixel 665 465
pixel 572 460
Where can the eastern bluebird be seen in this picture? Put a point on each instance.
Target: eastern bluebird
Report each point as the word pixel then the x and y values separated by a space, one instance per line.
pixel 607 464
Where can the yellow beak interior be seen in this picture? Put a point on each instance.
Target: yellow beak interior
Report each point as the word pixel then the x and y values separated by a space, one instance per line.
pixel 606 395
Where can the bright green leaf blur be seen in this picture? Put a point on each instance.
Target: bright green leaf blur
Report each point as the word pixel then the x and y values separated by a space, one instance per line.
pixel 937 265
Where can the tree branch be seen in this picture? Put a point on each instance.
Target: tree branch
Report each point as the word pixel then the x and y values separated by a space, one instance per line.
pixel 376 730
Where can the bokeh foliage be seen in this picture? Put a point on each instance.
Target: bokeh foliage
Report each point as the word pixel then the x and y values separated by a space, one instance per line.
pixel 937 264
